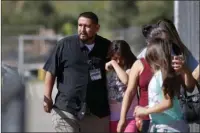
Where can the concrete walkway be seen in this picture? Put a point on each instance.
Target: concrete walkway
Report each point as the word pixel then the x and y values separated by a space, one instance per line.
pixel 36 119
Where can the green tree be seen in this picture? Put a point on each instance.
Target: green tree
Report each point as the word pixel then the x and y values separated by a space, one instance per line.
pixel 120 13
pixel 112 14
pixel 151 11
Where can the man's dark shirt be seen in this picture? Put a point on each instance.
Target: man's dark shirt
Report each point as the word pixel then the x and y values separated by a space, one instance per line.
pixel 71 63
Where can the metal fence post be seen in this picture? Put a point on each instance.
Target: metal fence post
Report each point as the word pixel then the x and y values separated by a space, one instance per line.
pixel 176 14
pixel 20 54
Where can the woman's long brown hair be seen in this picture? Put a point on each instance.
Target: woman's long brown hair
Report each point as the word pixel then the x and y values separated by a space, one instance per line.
pixel 159 57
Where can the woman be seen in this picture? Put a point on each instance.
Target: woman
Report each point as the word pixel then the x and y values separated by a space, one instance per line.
pixel 140 75
pixel 164 89
pixel 171 29
pixel 117 78
pixel 183 64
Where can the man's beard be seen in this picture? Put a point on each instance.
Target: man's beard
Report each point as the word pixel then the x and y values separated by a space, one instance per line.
pixel 86 40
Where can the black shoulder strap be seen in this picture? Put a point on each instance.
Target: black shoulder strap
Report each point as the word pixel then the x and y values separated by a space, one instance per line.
pixel 138 94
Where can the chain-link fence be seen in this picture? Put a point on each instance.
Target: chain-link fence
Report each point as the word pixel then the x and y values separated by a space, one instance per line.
pixel 9 49
pixel 28 51
pixel 34 50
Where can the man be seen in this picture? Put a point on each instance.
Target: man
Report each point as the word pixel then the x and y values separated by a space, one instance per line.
pixel 78 63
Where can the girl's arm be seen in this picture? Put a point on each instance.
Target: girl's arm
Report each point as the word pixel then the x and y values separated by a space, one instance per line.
pixel 123 76
pixel 165 104
pixel 162 106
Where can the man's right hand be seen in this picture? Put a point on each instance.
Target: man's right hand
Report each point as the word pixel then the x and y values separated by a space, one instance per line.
pixel 48 104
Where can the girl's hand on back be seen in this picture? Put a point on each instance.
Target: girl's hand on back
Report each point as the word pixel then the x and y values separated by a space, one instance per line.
pixel 140 111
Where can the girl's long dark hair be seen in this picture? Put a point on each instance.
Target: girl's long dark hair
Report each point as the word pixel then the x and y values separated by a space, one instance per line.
pixel 122 48
pixel 170 28
pixel 165 29
pixel 159 57
pixel 159 32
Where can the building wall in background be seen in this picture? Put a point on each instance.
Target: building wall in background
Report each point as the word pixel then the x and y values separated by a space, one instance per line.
pixel 186 16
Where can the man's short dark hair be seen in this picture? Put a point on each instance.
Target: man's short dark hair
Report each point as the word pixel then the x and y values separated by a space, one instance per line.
pixel 91 16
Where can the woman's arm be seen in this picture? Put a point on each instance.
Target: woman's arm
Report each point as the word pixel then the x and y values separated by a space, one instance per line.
pixel 164 105
pixel 129 93
pixel 188 80
pixel 131 88
pixel 195 73
pixel 179 66
pixel 123 76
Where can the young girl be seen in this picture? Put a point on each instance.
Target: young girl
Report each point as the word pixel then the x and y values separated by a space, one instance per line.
pixel 117 78
pixel 164 87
